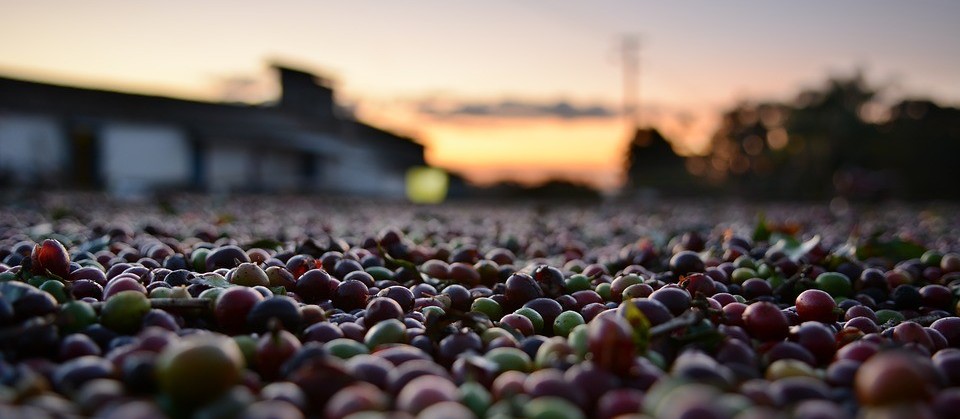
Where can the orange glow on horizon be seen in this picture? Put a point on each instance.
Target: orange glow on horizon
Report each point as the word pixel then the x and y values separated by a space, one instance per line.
pixel 532 150
pixel 533 142
pixel 487 150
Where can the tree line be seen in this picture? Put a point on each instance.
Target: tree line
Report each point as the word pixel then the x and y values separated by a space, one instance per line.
pixel 838 140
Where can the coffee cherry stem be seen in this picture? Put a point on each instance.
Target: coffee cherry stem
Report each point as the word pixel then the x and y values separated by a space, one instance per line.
pixel 922 320
pixel 687 319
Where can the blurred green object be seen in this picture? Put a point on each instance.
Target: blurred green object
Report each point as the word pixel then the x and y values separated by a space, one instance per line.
pixel 427 185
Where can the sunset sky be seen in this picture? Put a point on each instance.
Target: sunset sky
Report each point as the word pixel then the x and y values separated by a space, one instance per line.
pixel 498 89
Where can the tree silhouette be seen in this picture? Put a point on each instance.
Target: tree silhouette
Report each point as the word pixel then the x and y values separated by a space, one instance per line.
pixel 821 145
pixel 920 148
pixel 652 164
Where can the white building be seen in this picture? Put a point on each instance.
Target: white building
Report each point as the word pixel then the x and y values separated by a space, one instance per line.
pixel 83 138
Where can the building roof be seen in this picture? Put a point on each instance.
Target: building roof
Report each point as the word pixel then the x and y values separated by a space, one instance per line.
pixel 210 121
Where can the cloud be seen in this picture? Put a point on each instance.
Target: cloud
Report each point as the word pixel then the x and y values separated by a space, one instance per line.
pixel 515 109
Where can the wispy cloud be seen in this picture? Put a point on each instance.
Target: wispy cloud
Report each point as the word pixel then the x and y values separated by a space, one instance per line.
pixel 515 109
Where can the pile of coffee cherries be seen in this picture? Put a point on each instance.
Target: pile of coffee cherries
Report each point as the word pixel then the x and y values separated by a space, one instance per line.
pixel 268 307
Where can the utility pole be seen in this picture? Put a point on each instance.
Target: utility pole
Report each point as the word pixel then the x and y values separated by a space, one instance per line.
pixel 630 58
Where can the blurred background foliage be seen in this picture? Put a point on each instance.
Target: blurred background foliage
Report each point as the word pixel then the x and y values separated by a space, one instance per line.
pixel 836 141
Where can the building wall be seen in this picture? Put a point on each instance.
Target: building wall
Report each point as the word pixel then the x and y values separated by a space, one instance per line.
pixel 135 158
pixel 140 157
pixel 32 148
pixel 280 171
pixel 356 171
pixel 228 168
pixel 234 168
